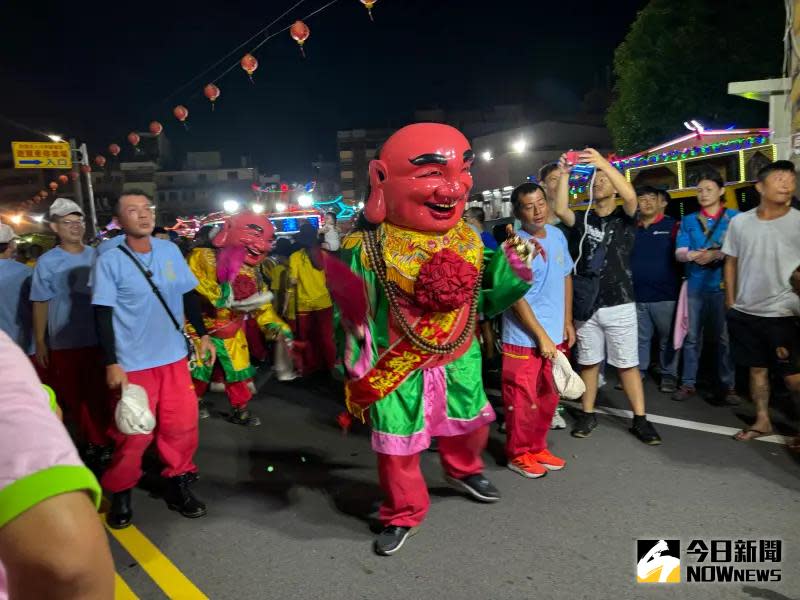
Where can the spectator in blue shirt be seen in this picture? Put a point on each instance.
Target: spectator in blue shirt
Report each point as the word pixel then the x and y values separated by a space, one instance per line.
pixel 655 283
pixel 699 245
pixel 476 218
pixel 64 331
pixel 15 281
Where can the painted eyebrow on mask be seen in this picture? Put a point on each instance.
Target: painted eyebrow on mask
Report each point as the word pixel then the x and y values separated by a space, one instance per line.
pixel 428 159
pixel 469 155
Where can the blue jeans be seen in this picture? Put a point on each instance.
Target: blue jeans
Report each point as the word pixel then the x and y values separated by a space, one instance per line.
pixel 707 309
pixel 657 317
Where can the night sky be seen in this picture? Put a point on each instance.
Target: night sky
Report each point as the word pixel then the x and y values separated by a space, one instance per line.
pixel 97 70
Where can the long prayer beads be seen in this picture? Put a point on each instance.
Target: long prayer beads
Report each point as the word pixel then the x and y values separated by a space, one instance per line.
pixel 375 255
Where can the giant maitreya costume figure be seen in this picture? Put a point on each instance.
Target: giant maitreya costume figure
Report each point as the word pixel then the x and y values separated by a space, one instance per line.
pixel 233 291
pixel 412 360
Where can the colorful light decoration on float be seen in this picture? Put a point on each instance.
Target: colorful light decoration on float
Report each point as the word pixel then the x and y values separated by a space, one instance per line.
pixel 338 206
pixel 640 160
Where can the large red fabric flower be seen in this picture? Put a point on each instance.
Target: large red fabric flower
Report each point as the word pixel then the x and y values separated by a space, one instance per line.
pixel 243 287
pixel 445 282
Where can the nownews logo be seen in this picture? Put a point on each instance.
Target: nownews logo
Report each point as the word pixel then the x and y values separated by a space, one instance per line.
pixel 709 561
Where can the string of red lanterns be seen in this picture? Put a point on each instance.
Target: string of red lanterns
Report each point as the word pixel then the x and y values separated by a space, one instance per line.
pixel 298 31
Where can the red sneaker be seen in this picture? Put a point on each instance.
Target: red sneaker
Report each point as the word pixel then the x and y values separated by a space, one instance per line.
pixel 526 466
pixel 548 461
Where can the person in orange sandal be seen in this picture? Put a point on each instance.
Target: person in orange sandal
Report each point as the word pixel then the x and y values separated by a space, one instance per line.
pixel 533 328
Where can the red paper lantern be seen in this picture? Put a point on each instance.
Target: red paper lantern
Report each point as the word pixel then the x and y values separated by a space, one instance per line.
pixel 86 169
pixel 53 185
pixel 100 160
pixel 156 128
pixel 133 138
pixel 63 179
pixel 212 93
pixel 249 64
pixel 73 175
pixel 368 4
pixel 300 32
pixel 180 112
pixel 114 149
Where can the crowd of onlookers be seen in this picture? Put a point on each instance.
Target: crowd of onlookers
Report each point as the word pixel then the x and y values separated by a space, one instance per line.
pixel 616 283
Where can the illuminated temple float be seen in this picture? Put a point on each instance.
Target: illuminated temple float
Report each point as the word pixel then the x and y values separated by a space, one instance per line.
pixel 736 154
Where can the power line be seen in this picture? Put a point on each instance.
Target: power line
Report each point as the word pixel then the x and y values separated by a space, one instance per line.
pixel 237 49
pixel 269 37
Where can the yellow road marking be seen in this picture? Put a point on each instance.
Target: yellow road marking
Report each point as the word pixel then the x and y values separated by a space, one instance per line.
pixel 160 569
pixel 121 589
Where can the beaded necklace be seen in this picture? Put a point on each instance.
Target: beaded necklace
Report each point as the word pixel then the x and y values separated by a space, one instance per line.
pixel 374 252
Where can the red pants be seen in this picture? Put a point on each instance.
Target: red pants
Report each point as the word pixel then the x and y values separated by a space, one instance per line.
pixel 530 399
pixel 314 332
pixel 407 499
pixel 255 340
pixel 239 393
pixel 78 378
pixel 174 405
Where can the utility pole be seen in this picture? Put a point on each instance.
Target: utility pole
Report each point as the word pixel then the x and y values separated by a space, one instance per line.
pixel 794 75
pixel 73 151
pixel 92 210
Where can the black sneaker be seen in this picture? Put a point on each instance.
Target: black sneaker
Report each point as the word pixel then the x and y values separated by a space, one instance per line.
pixel 476 486
pixel 391 539
pixel 434 445
pixel 684 392
pixel 669 385
pixel 202 410
pixel 181 499
pixel 731 397
pixel 120 514
pixel 242 416
pixel 585 425
pixel 644 430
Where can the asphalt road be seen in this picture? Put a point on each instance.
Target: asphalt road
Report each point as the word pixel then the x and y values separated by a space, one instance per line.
pixel 291 504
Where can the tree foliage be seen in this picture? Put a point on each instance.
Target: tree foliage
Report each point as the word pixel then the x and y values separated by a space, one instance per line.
pixel 677 60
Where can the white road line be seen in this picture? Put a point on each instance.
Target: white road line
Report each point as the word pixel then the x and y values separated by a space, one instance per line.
pixel 671 421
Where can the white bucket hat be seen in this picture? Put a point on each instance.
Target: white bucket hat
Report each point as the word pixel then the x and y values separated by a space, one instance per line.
pixel 133 414
pixel 568 383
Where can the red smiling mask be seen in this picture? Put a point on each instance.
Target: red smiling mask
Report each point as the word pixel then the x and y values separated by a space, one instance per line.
pixel 421 180
pixel 245 238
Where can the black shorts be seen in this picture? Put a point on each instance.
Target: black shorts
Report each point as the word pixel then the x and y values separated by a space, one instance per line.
pixel 765 342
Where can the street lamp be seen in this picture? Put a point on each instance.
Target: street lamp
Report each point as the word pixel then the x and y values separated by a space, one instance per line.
pixel 519 145
pixel 54 137
pixel 38 218
pixel 230 206
pixel 305 201
pixel 360 205
pixel 487 156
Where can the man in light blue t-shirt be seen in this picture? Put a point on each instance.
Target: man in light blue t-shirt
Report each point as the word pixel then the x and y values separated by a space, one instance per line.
pixel 533 328
pixel 15 281
pixel 144 344
pixel 65 335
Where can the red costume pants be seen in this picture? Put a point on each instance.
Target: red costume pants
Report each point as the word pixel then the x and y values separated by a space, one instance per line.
pixel 239 393
pixel 78 378
pixel 407 499
pixel 314 332
pixel 174 405
pixel 530 399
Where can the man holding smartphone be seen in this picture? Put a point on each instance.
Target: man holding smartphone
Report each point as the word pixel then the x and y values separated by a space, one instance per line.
pixel 604 306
